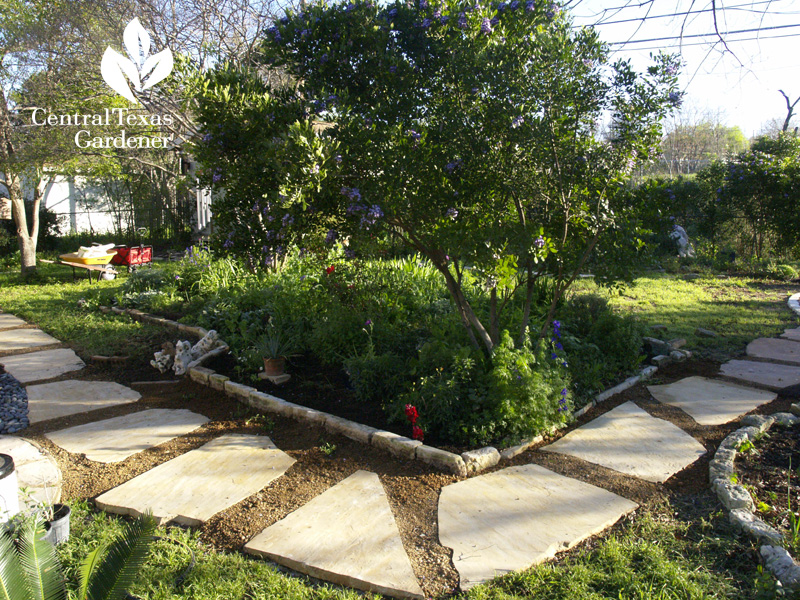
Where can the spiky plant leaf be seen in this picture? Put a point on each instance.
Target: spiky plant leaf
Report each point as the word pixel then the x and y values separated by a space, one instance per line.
pixel 110 570
pixel 41 565
pixel 13 585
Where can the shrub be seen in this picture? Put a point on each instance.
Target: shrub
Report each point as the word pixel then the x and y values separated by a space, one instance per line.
pixel 784 272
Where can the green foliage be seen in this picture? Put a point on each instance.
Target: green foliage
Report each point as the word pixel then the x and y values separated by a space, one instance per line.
pixel 30 568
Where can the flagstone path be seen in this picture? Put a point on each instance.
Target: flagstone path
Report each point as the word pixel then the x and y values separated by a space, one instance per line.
pixel 495 523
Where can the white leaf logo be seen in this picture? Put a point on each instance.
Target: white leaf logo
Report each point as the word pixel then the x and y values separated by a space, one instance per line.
pixel 141 69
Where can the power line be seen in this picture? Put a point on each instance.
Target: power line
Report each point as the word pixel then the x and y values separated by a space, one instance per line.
pixel 689 12
pixel 750 39
pixel 698 35
pixel 648 2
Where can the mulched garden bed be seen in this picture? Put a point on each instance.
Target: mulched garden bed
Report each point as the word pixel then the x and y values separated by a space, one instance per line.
pixel 765 471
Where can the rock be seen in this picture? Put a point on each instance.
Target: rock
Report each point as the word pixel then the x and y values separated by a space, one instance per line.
pixel 761 422
pixel 795 409
pixel 786 419
pixel 395 444
pixel 746 521
pixel 656 346
pixel 780 563
pixel 658 327
pixel 661 360
pixel 691 276
pixel 677 343
pixel 480 459
pixel 733 495
pixel 677 356
pixel 442 459
pixel 706 333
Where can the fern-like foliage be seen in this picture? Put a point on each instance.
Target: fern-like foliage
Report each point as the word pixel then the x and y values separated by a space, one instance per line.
pixel 40 564
pixel 13 585
pixel 109 571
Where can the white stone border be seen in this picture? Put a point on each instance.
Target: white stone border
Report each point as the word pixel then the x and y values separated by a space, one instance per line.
pixel 794 303
pixel 736 498
pixel 473 461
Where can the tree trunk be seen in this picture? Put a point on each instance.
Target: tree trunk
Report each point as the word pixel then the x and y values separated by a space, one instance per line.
pixel 27 245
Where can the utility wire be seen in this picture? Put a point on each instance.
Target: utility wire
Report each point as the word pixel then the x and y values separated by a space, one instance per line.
pixel 750 39
pixel 699 35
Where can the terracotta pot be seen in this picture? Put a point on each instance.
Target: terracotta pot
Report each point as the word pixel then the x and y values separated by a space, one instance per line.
pixel 274 366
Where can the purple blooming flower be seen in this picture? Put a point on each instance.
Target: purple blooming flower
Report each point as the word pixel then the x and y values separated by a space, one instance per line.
pixel 207 137
pixel 539 242
pixel 517 121
pixel 553 355
pixel 495 21
pixel 437 14
pixel 287 220
pixel 444 19
pixel 392 13
pixel 514 5
pixel 350 7
pixel 452 213
pixel 349 253
pixel 501 7
pixel 305 33
pixel 671 70
pixel 462 21
pixel 425 23
pixel 564 392
pixel 393 69
pixel 331 237
pixel 217 176
pixel 228 243
pixel 452 166
pixel 530 6
pixel 676 99
pixel 486 27
pixel 338 159
pixel 414 135
pixel 368 323
pixel 423 3
pixel 323 58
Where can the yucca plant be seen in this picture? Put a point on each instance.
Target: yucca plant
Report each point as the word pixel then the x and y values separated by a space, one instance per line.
pixel 30 569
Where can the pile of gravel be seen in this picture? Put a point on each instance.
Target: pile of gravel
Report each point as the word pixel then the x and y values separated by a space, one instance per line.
pixel 13 405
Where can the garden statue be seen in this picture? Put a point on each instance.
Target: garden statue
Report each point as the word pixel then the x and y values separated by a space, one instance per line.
pixel 205 345
pixel 183 356
pixel 681 238
pixel 164 357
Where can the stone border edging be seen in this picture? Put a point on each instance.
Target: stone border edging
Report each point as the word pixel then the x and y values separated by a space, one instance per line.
pixel 794 303
pixel 736 498
pixel 470 462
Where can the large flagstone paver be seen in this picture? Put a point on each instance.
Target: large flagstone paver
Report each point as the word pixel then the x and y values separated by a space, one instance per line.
pixel 113 440
pixel 770 375
pixel 61 398
pixel 775 349
pixel 627 439
pixel 195 486
pixel 709 401
pixel 37 472
pixel 792 334
pixel 346 535
pixel 47 364
pixel 516 517
pixel 22 339
pixel 7 321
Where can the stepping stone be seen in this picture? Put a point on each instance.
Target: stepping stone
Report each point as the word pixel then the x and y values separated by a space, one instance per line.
pixel 195 486
pixel 116 439
pixel 776 349
pixel 21 339
pixel 46 364
pixel 36 471
pixel 520 516
pixel 346 535
pixel 627 439
pixel 7 321
pixel 770 375
pixel 61 398
pixel 792 334
pixel 708 401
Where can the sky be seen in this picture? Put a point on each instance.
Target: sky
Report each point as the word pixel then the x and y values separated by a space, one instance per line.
pixel 739 84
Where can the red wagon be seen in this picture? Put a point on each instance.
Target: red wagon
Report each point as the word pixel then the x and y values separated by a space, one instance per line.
pixel 133 256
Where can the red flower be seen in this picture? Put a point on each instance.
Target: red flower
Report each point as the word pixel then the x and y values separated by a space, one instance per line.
pixel 330 269
pixel 417 433
pixel 411 413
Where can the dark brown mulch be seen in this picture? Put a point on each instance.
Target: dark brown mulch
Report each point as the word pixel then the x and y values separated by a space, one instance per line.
pixel 772 472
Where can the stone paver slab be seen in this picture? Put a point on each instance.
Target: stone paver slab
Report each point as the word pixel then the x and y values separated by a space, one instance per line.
pixel 195 486
pixel 709 401
pixel 36 471
pixel 61 398
pixel 7 321
pixel 346 535
pixel 113 440
pixel 516 517
pixel 792 334
pixel 775 349
pixel 46 364
pixel 22 339
pixel 770 375
pixel 627 439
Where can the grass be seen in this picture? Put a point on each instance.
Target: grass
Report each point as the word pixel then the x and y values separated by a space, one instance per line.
pixel 51 301
pixel 738 309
